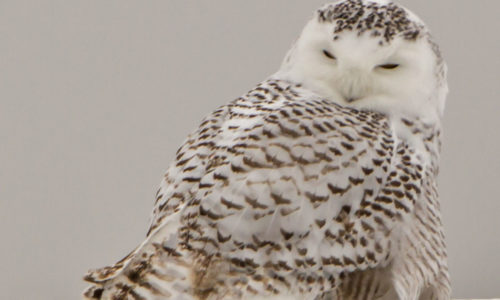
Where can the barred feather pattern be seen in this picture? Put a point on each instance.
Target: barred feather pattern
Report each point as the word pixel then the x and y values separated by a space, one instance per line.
pixel 282 193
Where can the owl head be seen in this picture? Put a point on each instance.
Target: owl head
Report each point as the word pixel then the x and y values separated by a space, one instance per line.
pixel 372 55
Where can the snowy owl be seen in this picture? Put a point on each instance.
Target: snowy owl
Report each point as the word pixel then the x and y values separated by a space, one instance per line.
pixel 319 183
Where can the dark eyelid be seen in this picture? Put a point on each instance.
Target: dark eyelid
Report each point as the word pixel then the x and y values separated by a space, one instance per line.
pixel 389 66
pixel 328 54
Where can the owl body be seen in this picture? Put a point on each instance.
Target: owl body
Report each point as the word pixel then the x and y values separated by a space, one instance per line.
pixel 294 192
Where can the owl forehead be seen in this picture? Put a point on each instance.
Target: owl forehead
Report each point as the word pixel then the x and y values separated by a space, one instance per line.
pixel 381 20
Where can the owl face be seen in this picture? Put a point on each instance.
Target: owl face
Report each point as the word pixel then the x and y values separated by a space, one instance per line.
pixel 370 55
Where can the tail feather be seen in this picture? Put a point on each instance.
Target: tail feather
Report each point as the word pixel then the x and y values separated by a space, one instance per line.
pixel 106 273
pixel 151 271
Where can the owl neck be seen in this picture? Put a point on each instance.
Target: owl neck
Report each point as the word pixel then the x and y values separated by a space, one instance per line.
pixel 422 104
pixel 420 133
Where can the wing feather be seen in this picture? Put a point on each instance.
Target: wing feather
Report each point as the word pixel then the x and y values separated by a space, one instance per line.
pixel 281 179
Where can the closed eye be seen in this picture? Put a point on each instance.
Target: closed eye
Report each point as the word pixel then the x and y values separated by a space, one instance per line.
pixel 388 66
pixel 328 54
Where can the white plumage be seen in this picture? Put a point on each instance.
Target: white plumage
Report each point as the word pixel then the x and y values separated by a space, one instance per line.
pixel 319 183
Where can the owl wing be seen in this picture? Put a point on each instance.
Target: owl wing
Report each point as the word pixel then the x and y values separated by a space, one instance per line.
pixel 283 179
pixel 283 169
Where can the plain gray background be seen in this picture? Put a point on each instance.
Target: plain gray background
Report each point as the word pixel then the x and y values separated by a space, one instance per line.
pixel 96 96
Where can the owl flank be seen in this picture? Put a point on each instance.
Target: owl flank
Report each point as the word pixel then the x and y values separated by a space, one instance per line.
pixel 319 183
